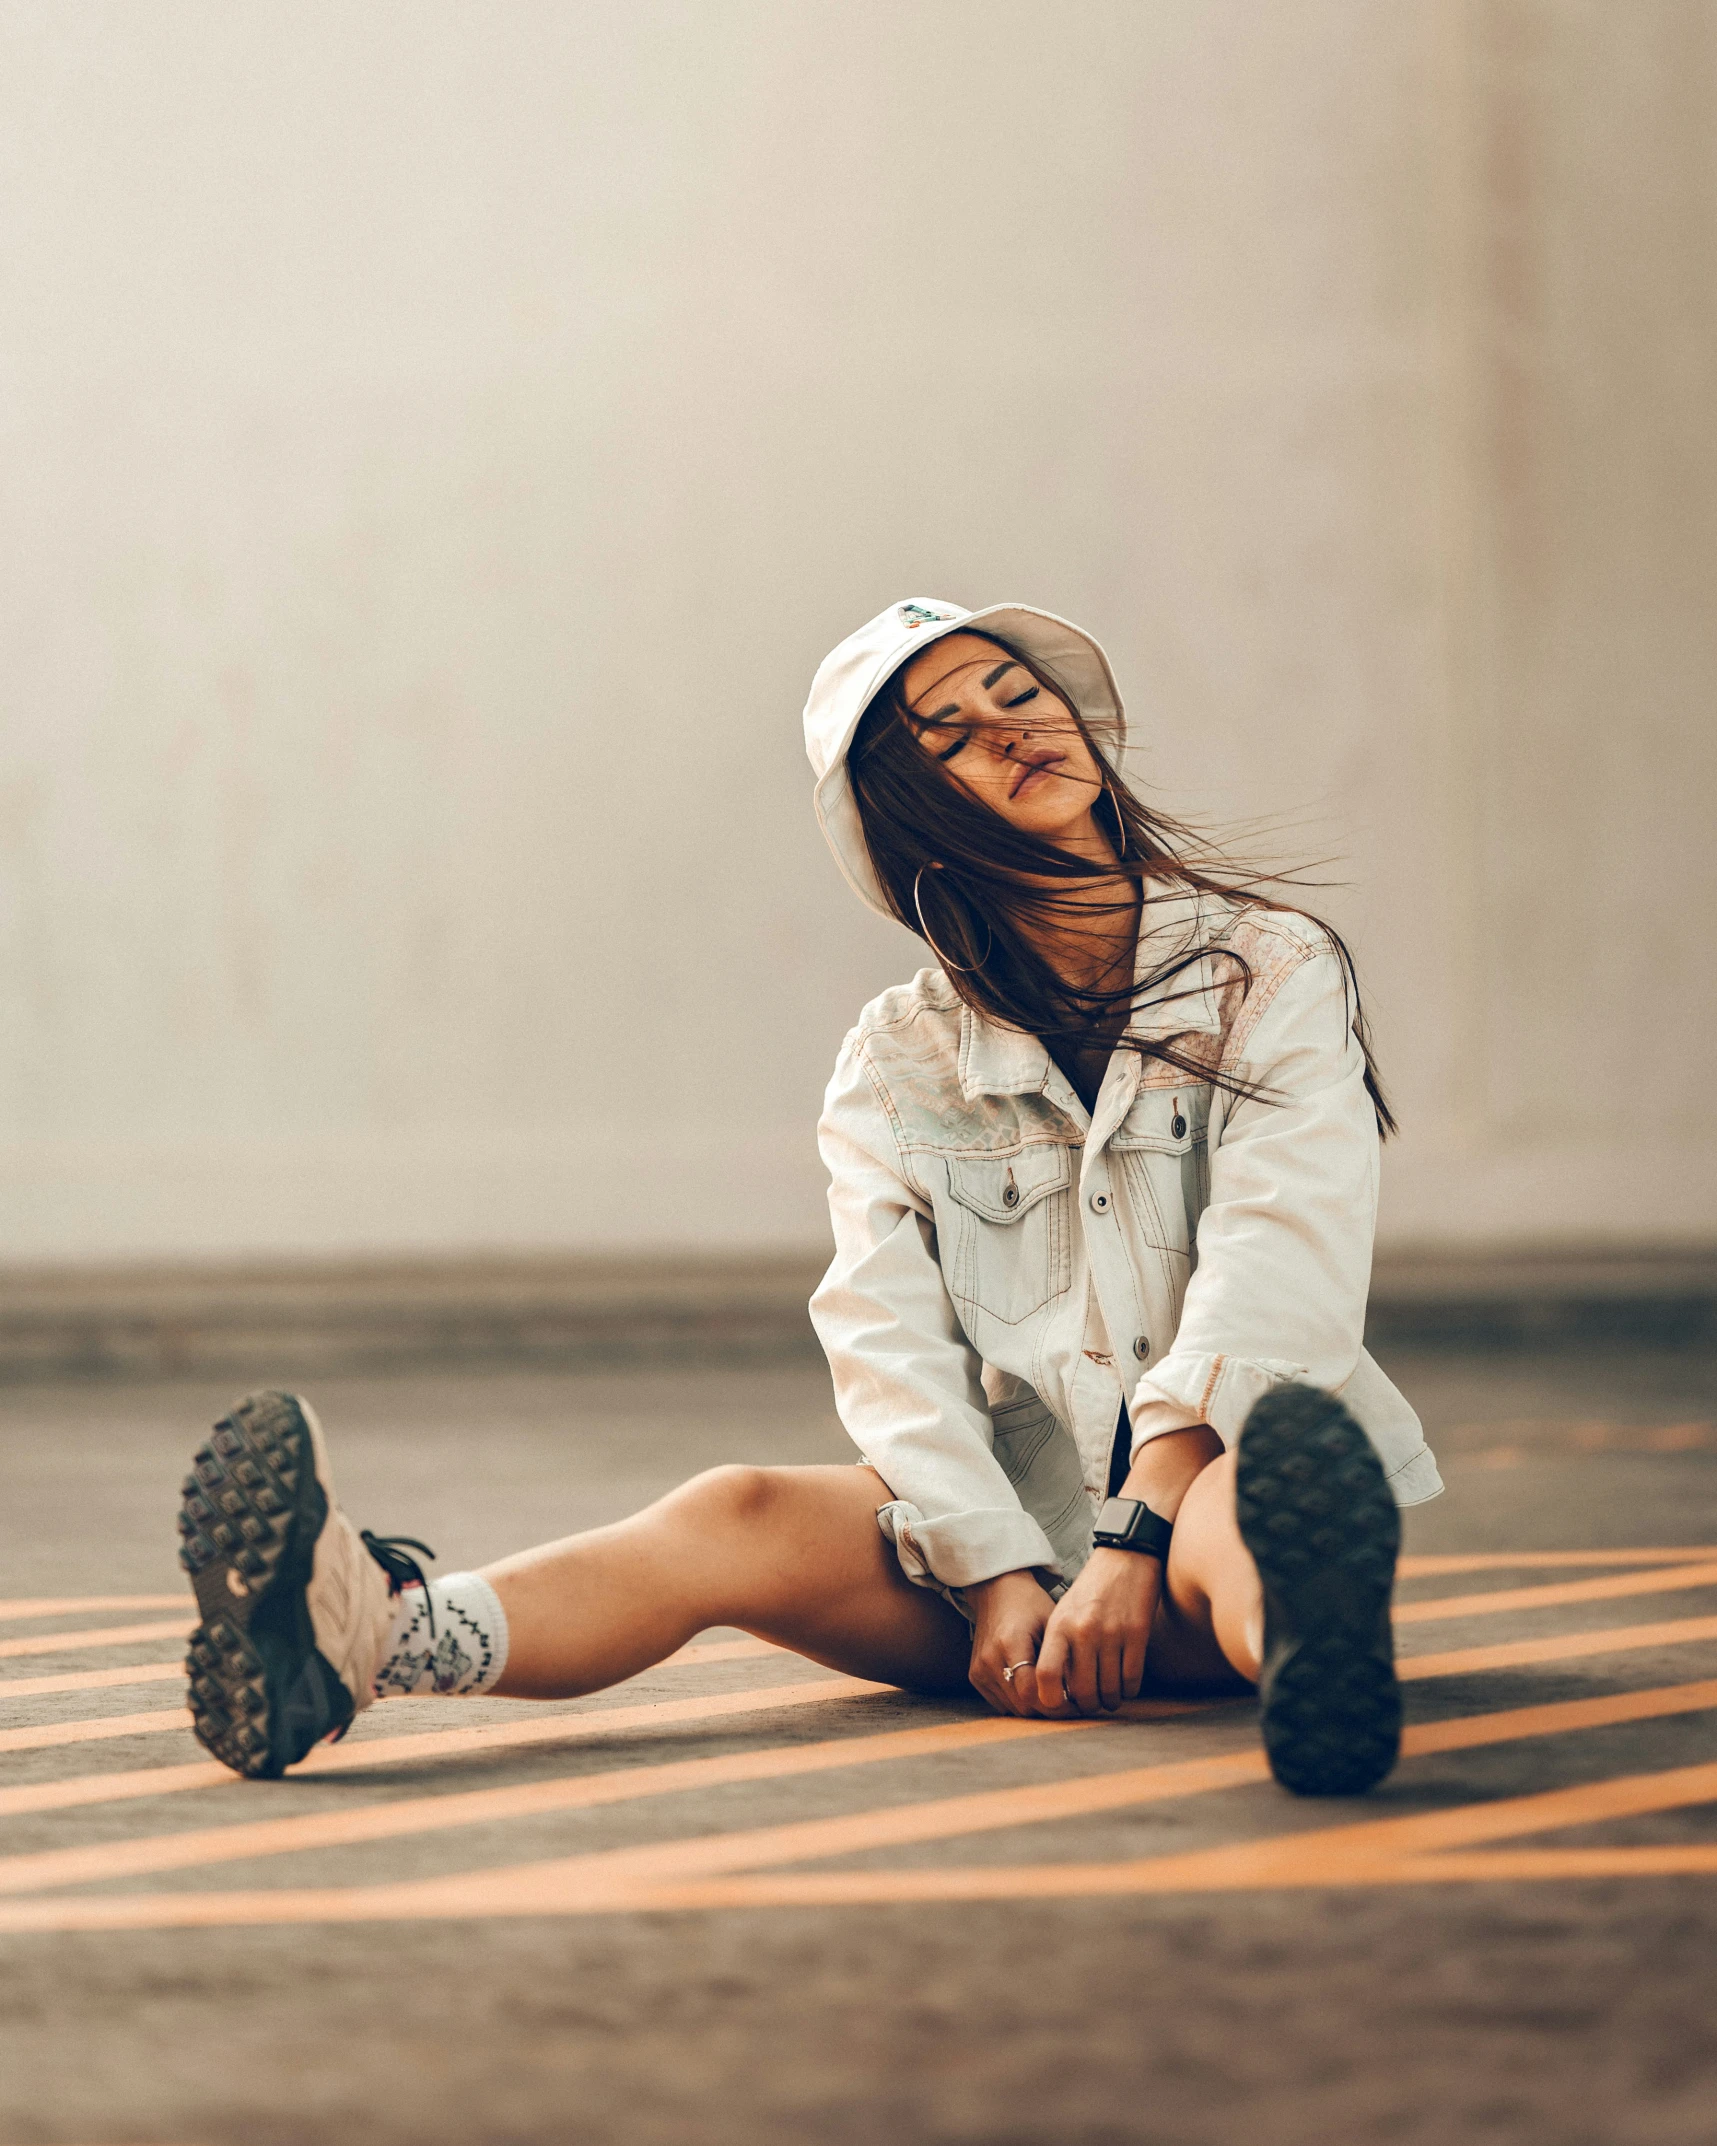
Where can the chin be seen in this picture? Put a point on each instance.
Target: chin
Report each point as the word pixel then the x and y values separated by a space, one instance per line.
pixel 1062 832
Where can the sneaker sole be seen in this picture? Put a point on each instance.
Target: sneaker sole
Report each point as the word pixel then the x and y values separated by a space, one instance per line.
pixel 1316 1512
pixel 253 1508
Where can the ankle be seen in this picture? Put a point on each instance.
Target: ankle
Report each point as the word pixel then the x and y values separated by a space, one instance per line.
pixel 448 1639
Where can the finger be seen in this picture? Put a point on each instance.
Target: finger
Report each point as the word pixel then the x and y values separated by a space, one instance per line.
pixel 1049 1686
pixel 1109 1679
pixel 1081 1674
pixel 1015 1690
pixel 981 1676
pixel 1133 1665
pixel 994 1694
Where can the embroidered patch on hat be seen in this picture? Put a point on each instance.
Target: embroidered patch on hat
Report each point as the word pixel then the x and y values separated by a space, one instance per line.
pixel 921 615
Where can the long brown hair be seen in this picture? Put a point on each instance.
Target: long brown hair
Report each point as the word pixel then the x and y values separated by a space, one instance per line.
pixel 982 893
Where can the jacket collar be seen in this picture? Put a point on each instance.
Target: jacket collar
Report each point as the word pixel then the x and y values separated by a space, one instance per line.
pixel 1005 1061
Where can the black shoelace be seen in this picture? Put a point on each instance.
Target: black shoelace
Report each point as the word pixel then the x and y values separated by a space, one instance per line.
pixel 391 1552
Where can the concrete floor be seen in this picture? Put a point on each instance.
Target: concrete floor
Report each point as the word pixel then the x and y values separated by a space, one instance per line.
pixel 921 1970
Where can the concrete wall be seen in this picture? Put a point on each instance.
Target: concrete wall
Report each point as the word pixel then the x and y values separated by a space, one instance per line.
pixel 440 442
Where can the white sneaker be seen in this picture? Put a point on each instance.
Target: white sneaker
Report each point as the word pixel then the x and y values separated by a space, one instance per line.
pixel 296 1604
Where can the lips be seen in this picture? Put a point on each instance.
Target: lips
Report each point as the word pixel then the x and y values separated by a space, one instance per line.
pixel 1032 770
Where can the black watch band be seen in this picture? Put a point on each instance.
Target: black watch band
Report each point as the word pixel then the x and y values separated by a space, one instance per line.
pixel 1125 1524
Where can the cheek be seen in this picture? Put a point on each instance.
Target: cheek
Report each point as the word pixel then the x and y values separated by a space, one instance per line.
pixel 982 775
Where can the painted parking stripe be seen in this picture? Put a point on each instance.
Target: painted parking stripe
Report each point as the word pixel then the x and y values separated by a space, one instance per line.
pixel 1420 1850
pixel 101 1729
pixel 1509 1654
pixel 87 1789
pixel 71 1605
pixel 1612 1587
pixel 236 1843
pixel 428 1814
pixel 1555 1647
pixel 566 1884
pixel 1429 1566
pixel 109 1635
pixel 687 1873
pixel 44 1737
pixel 725 1650
pixel 93 1679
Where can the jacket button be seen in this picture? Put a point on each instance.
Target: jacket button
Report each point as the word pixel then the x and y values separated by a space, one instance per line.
pixel 1142 1347
pixel 1178 1127
pixel 1100 1203
pixel 1010 1198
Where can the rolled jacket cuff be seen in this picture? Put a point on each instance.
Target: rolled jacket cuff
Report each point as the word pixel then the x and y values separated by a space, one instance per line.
pixel 1152 1417
pixel 1218 1390
pixel 961 1549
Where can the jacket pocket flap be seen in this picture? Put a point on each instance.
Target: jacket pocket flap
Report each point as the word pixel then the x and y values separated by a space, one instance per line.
pixel 1166 1121
pixel 1001 1188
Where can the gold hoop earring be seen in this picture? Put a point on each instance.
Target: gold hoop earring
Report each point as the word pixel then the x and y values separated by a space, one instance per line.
pixel 960 968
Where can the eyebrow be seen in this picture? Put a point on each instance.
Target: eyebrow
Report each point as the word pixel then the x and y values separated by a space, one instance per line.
pixel 953 707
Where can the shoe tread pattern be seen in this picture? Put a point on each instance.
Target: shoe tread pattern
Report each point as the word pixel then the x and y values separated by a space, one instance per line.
pixel 236 1522
pixel 1316 1512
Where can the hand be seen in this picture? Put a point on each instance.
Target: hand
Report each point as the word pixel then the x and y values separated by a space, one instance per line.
pixel 1011 1612
pixel 1093 1652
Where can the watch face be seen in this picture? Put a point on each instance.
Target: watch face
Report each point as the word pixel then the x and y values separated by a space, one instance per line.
pixel 1128 1524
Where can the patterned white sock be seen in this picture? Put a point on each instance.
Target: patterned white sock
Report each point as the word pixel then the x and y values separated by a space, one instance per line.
pixel 448 1638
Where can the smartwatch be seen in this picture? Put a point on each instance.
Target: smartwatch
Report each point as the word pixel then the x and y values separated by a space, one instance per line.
pixel 1125 1524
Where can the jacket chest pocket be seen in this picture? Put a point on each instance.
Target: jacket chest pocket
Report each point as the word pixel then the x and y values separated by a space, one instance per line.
pixel 1163 1144
pixel 1014 1254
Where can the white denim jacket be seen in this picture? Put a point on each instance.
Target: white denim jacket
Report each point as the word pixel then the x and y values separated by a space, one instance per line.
pixel 1010 1267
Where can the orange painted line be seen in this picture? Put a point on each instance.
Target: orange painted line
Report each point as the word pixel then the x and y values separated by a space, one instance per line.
pixel 1506 1654
pixel 205 1846
pixel 1389 1851
pixel 677 1874
pixel 568 1884
pixel 606 1879
pixel 69 1605
pixel 84 1732
pixel 92 1679
pixel 726 1650
pixel 1560 1717
pixel 1373 1851
pixel 430 1814
pixel 361 1751
pixel 107 1635
pixel 1561 1647
pixel 1608 1589
pixel 1428 1567
pixel 1691 1860
pixel 371 1751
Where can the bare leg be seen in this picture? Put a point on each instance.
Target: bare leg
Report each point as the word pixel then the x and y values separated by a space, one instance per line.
pixel 1209 1631
pixel 792 1554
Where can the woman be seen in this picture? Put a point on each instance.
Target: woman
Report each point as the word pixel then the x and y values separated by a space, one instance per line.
pixel 1103 1185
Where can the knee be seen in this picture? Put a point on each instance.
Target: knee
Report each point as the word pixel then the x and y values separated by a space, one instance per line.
pixel 733 1497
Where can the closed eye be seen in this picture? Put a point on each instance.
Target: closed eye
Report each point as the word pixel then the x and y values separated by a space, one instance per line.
pixel 1020 700
pixel 958 746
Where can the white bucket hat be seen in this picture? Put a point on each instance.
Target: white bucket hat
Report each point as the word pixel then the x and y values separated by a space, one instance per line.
pixel 850 676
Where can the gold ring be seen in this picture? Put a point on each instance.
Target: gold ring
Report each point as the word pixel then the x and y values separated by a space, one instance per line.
pixel 1008 1672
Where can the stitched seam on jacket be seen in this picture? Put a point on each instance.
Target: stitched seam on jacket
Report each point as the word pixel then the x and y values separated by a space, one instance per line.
pixel 1258 1002
pixel 879 1088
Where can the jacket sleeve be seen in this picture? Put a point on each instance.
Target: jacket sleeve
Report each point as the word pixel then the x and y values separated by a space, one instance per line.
pixel 907 1380
pixel 1284 1243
